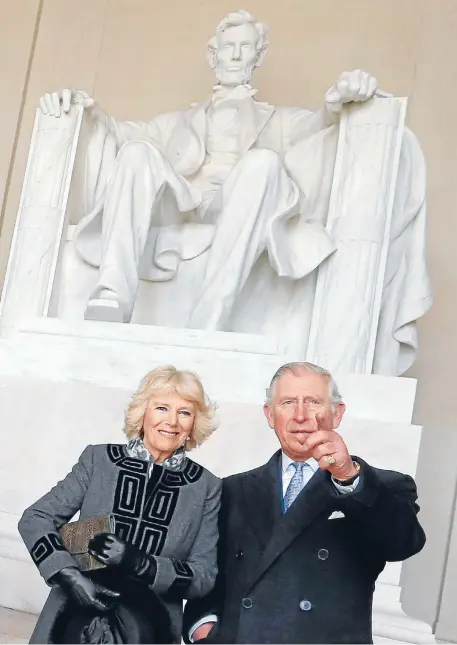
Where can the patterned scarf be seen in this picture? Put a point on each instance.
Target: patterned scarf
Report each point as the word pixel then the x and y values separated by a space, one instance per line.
pixel 137 450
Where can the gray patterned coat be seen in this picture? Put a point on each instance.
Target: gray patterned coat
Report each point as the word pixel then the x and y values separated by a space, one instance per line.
pixel 170 514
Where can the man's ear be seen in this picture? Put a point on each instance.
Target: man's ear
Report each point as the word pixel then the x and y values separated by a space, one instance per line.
pixel 268 415
pixel 338 414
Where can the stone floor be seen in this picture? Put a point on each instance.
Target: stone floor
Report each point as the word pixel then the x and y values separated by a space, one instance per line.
pixel 15 626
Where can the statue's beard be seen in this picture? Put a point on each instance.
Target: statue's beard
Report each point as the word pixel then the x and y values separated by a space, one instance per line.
pixel 234 78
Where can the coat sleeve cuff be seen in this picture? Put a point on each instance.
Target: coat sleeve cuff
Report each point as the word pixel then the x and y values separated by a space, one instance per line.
pixel 50 556
pixel 211 618
pixel 171 576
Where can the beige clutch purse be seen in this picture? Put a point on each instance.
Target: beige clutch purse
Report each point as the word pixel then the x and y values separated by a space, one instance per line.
pixel 77 535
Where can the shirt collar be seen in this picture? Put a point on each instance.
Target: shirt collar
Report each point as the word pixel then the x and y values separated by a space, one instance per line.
pixel 286 461
pixel 238 93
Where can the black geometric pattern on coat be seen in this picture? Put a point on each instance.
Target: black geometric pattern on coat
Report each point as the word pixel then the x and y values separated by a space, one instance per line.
pixel 144 507
pixel 116 452
pixel 184 576
pixel 56 541
pixel 45 546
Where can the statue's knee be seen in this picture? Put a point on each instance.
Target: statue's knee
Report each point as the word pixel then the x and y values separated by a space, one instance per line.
pixel 136 151
pixel 266 160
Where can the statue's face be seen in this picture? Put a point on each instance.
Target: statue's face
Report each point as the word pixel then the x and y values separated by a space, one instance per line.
pixel 236 54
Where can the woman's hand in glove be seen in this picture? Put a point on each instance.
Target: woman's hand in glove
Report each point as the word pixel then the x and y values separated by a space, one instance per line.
pixel 83 590
pixel 111 550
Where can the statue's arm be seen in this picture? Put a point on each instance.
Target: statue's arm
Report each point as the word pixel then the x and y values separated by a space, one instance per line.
pixel 61 102
pixel 356 86
pixel 128 130
pixel 304 123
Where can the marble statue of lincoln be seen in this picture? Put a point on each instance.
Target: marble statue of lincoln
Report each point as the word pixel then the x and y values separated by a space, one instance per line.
pixel 242 188
pixel 223 163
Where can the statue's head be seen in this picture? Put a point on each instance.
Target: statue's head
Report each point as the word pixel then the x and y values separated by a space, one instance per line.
pixel 237 48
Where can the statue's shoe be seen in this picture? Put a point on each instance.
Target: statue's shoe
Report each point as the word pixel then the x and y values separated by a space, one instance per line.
pixel 104 309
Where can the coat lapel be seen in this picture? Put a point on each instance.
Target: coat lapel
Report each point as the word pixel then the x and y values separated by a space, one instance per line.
pixel 196 119
pixel 186 148
pixel 262 499
pixel 254 117
pixel 314 499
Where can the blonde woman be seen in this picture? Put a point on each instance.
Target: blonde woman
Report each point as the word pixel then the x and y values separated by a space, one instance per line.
pixel 165 507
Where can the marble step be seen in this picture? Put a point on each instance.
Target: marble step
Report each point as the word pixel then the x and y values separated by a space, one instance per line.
pixel 16 626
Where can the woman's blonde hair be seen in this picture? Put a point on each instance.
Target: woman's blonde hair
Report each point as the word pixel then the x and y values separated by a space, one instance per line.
pixel 187 385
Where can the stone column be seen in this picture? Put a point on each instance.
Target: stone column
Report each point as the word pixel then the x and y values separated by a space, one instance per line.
pixel 349 286
pixel 446 627
pixel 40 224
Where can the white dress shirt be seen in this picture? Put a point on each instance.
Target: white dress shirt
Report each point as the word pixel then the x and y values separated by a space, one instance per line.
pixel 287 472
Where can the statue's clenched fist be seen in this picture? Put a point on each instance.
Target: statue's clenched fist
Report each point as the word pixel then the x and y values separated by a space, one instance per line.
pixel 356 86
pixel 59 102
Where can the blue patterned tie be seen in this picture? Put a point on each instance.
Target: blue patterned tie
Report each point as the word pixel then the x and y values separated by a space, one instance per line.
pixel 296 484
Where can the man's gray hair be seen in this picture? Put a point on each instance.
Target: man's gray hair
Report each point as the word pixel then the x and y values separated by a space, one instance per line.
pixel 241 17
pixel 296 368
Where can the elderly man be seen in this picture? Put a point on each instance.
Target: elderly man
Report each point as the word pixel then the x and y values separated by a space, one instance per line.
pixel 304 537
pixel 228 177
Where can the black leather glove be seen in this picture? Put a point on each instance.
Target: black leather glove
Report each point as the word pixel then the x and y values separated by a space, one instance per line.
pixel 111 550
pixel 83 590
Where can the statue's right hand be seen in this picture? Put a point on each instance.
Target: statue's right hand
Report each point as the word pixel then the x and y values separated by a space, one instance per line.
pixel 59 102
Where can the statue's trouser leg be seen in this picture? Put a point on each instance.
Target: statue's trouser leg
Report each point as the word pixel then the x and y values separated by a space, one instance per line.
pixel 132 198
pixel 257 190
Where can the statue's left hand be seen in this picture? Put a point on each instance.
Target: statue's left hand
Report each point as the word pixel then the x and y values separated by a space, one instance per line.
pixel 357 86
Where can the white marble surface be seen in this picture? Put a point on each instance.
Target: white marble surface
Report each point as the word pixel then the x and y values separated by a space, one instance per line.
pixel 39 232
pixel 350 284
pixel 236 367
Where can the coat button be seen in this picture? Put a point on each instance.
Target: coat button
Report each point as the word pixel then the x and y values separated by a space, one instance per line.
pixel 305 605
pixel 322 554
pixel 239 555
pixel 247 603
